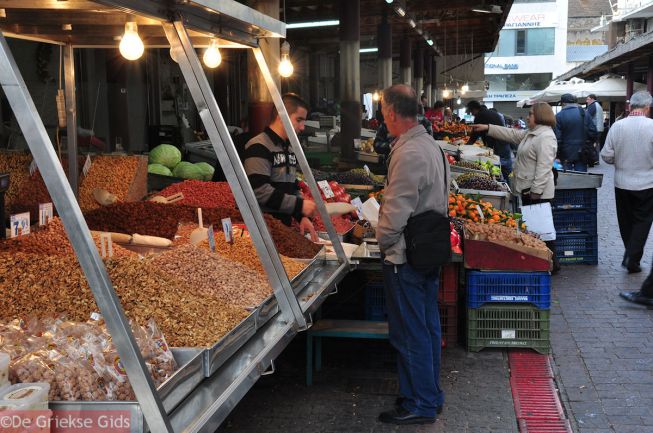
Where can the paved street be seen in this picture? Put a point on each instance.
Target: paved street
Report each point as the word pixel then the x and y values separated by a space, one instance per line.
pixel 602 351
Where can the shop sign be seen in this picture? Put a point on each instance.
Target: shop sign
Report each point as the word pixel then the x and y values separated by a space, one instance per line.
pixel 530 20
pixel 504 66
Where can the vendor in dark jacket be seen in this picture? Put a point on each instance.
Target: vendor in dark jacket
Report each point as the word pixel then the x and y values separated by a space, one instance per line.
pixel 271 168
pixel 573 129
pixel 483 116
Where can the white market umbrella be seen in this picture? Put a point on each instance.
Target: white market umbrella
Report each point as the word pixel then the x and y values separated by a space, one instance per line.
pixel 555 90
pixel 607 87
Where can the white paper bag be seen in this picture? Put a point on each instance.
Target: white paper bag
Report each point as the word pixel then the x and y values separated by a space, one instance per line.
pixel 539 219
pixel 371 211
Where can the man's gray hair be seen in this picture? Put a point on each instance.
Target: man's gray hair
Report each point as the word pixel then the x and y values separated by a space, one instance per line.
pixel 402 100
pixel 641 99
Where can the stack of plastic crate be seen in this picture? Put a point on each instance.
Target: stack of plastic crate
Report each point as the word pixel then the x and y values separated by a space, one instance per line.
pixel 375 306
pixel 574 217
pixel 508 309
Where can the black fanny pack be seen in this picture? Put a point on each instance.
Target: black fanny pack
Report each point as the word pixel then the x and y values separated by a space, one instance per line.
pixel 428 241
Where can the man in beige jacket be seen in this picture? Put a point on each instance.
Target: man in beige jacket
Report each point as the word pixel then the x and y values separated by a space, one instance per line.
pixel 418 181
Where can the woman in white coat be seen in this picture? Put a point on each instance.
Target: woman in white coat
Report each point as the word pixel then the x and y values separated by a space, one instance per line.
pixel 536 151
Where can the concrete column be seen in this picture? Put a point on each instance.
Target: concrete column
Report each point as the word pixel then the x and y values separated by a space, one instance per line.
pixel 434 81
pixel 629 81
pixel 419 70
pixel 260 102
pixel 404 62
pixel 649 76
pixel 350 93
pixel 428 77
pixel 384 38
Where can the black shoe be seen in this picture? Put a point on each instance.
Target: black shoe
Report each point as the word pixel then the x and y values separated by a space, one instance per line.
pixel 401 416
pixel 637 298
pixel 634 269
pixel 400 401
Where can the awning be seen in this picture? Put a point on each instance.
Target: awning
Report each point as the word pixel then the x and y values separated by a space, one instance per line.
pixel 607 87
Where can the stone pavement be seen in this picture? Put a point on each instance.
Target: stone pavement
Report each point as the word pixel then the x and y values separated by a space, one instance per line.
pixel 602 345
pixel 602 349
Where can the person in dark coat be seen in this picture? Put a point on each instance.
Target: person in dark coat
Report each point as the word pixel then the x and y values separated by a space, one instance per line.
pixel 573 129
pixel 483 116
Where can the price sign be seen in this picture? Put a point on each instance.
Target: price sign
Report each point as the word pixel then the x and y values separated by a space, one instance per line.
pixel 45 213
pixel 32 167
pixel 228 230
pixel 326 189
pixel 211 235
pixel 480 213
pixel 106 245
pixel 19 224
pixel 367 169
pixel 87 165
pixel 359 207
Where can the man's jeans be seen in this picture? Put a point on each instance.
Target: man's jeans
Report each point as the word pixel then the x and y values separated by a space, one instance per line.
pixel 414 326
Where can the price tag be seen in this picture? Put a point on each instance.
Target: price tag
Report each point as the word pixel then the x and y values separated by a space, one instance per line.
pixel 211 235
pixel 228 230
pixel 508 334
pixel 367 169
pixel 45 213
pixel 96 316
pixel 87 165
pixel 19 224
pixel 32 167
pixel 106 245
pixel 480 213
pixel 455 185
pixel 359 207
pixel 326 189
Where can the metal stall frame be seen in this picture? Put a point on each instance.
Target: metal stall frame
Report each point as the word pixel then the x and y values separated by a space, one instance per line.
pixel 210 402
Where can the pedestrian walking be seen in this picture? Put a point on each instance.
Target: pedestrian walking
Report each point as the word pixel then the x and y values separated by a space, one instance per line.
pixel 575 131
pixel 629 146
pixel 595 111
pixel 417 185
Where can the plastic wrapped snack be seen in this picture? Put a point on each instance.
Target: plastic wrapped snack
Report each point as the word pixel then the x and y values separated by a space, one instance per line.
pixel 4 369
pixel 25 396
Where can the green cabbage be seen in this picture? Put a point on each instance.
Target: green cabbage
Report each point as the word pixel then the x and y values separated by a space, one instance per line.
pixel 188 170
pixel 165 154
pixel 206 168
pixel 159 169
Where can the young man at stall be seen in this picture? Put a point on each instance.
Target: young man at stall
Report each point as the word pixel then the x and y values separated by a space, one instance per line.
pixel 417 182
pixel 271 168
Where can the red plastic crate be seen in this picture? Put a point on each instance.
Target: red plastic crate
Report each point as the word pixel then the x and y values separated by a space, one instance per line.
pixel 449 323
pixel 536 398
pixel 488 256
pixel 448 292
pixel 545 426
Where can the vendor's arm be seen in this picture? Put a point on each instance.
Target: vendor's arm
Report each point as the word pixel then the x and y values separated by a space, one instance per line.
pixel 510 135
pixel 607 154
pixel 546 153
pixel 258 166
pixel 400 198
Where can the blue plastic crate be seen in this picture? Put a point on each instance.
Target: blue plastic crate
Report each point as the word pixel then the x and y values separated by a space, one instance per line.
pixel 576 199
pixel 375 302
pixel 509 287
pixel 575 221
pixel 574 249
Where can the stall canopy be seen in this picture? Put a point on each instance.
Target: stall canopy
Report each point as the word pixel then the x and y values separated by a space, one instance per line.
pixel 608 87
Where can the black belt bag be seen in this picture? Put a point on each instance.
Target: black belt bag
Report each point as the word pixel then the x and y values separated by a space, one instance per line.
pixel 428 241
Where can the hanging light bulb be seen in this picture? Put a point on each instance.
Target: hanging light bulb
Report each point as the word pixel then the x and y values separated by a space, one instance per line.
pixel 459 101
pixel 131 46
pixel 464 89
pixel 173 56
pixel 212 57
pixel 375 96
pixel 285 66
pixel 445 93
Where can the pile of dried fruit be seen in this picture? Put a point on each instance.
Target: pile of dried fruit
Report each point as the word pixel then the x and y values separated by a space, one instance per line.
pixel 41 285
pixel 202 194
pixel 289 242
pixel 213 275
pixel 477 181
pixel 115 174
pixel 503 234
pixel 51 240
pixel 470 165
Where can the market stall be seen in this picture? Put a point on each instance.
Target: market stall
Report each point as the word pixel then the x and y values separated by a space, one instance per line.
pixel 221 361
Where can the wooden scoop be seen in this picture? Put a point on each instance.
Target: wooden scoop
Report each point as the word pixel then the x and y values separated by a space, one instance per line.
pixel 104 197
pixel 169 199
pixel 200 233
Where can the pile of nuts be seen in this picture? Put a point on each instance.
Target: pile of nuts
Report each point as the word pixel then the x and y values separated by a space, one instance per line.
pixel 40 285
pixel 25 191
pixel 496 232
pixel 79 360
pixel 198 193
pixel 112 173
pixel 213 275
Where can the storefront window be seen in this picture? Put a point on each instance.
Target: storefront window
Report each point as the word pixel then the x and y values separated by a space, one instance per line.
pixel 526 42
pixel 517 82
